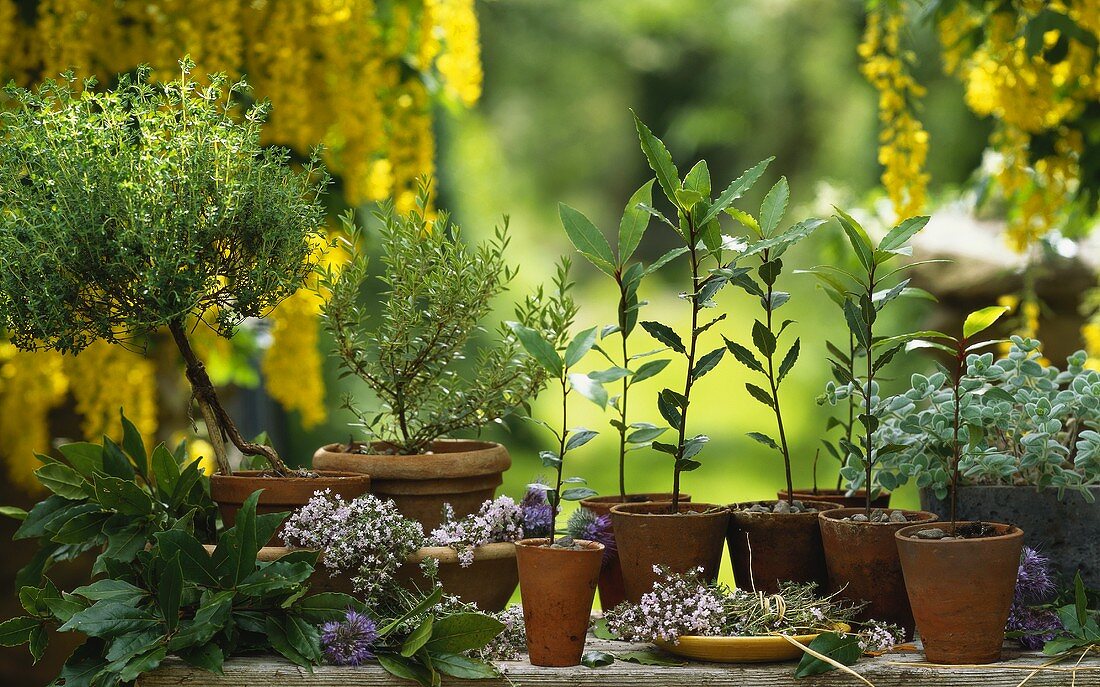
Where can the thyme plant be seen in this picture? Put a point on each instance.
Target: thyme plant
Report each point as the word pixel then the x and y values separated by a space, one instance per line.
pixel 864 294
pixel 588 239
pixel 698 226
pixel 437 291
pixel 148 206
pixel 769 246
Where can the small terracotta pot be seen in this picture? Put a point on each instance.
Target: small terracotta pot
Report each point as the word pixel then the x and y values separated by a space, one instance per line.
pixel 863 564
pixel 649 534
pixel 459 472
pixel 611 576
pixel 557 587
pixel 488 582
pixel 961 591
pixel 320 581
pixel 839 497
pixel 280 494
pixel 769 548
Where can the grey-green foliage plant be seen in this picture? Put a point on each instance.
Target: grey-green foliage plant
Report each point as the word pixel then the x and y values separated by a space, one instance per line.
pixel 411 353
pixel 863 294
pixel 111 500
pixel 769 245
pixel 1021 423
pixel 697 225
pixel 947 414
pixel 628 276
pixel 143 207
pixel 175 598
pixel 558 355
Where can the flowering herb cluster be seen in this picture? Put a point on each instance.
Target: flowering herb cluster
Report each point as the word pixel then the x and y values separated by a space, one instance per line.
pixel 1030 621
pixel 367 537
pixel 349 642
pixel 587 525
pixel 686 604
pixel 498 520
pixel 538 516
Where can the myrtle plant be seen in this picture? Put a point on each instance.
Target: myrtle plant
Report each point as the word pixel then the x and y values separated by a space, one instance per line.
pixel 413 353
pixel 590 241
pixel 697 226
pixel 149 206
pixel 864 294
pixel 559 356
pixel 768 246
pixel 1020 423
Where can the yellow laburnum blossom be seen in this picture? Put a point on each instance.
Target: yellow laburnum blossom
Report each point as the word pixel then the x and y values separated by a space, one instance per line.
pixel 292 368
pixel 31 384
pixel 1091 335
pixel 132 386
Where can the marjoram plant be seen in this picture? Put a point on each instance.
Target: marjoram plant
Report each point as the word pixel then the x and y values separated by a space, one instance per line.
pixel 769 245
pixel 411 353
pixel 588 239
pixel 863 295
pixel 1020 423
pixel 550 348
pixel 698 226
pixel 149 206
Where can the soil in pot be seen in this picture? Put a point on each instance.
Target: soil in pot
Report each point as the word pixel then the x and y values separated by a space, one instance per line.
pixel 1063 529
pixel 771 542
pixel 488 582
pixel 557 587
pixel 839 497
pixel 611 575
pixel 960 583
pixel 861 557
pixel 460 472
pixel 649 534
pixel 280 494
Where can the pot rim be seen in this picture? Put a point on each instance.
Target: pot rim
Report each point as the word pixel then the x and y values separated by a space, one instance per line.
pixel 705 509
pixel 452 444
pixel 263 475
pixel 819 507
pixel 837 516
pixel 540 544
pixel 616 499
pixel 471 458
pixel 1013 532
pixel 445 554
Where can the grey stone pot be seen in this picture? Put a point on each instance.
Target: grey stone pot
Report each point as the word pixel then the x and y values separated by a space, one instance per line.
pixel 1066 530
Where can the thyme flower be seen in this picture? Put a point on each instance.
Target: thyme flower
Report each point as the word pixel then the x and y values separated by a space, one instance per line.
pixel 498 520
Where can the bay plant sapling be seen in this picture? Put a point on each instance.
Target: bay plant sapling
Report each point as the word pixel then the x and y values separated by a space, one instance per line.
pixel 149 206
pixel 768 246
pixel 417 353
pixel 628 276
pixel 866 292
pixel 559 357
pixel 697 225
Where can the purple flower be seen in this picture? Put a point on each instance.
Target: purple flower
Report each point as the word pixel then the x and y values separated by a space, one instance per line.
pixel 1039 625
pixel 585 524
pixel 537 516
pixel 1034 582
pixel 348 642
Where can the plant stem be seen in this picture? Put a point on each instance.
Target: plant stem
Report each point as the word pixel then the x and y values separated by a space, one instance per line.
pixel 867 396
pixel 775 397
pixel 561 454
pixel 851 401
pixel 956 454
pixel 693 341
pixel 218 423
pixel 622 414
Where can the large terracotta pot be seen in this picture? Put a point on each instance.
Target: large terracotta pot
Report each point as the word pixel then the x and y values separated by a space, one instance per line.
pixel 649 534
pixel 1064 529
pixel 280 494
pixel 611 575
pixel 488 582
pixel 460 472
pixel 961 591
pixel 557 587
pixel 863 564
pixel 769 548
pixel 839 497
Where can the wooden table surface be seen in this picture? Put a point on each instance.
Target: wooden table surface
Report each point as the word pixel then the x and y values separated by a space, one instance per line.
pixel 905 668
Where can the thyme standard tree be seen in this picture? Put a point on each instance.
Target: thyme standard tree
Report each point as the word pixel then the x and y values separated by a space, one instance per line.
pixel 144 207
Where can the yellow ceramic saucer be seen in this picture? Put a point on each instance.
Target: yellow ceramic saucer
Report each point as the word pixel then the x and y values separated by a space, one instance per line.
pixel 762 649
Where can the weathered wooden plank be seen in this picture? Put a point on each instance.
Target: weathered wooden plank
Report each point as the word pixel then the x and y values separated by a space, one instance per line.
pixel 892 670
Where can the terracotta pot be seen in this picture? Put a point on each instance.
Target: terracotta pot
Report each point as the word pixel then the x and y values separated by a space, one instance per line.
pixel 459 472
pixel 961 591
pixel 769 548
pixel 488 582
pixel 863 564
pixel 557 587
pixel 611 576
pixel 280 494
pixel 649 534
pixel 320 581
pixel 839 497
